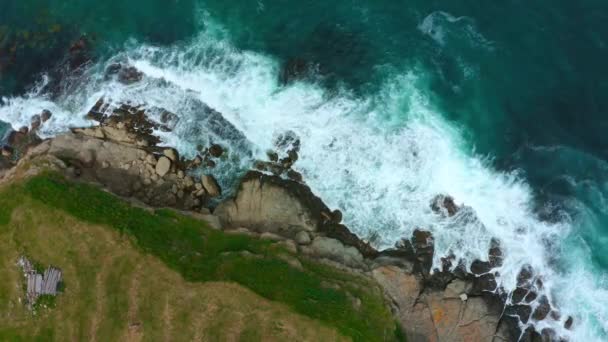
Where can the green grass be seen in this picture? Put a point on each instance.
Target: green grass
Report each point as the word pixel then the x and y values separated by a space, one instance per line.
pixel 202 254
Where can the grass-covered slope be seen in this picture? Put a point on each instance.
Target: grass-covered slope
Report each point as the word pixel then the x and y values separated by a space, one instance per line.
pixel 132 273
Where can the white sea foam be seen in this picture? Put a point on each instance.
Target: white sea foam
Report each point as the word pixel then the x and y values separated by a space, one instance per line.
pixel 379 159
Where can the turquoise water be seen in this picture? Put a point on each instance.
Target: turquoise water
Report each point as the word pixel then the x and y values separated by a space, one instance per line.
pixel 501 105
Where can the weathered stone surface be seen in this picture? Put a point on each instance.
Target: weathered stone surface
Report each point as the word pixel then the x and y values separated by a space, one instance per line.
pixel 403 290
pixel 172 154
pixel 303 238
pixel 266 205
pixel 151 159
pixel 216 150
pixel 333 249
pixel 543 308
pixel 163 166
pixel 444 205
pixel 211 186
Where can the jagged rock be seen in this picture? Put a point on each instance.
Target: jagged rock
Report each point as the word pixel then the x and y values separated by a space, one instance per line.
pixel 272 156
pixel 521 294
pixel 336 216
pixel 423 244
pixel 333 249
pixel 45 115
pixel 302 238
pixel 568 323
pixel 524 277
pixel 128 75
pixel 495 254
pixel 216 150
pixel 522 311
pixel 287 142
pixel 543 308
pixel 294 176
pixel 163 166
pixel 484 283
pixel 36 122
pixel 444 205
pixel 479 267
pixel 274 168
pixel 211 186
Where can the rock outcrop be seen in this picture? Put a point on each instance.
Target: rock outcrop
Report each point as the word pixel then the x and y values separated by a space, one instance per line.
pixel 122 155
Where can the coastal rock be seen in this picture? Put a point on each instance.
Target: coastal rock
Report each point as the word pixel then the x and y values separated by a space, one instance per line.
pixel 333 249
pixel 151 159
pixel 45 115
pixel 423 244
pixel 216 150
pixel 36 122
pixel 163 166
pixel 211 186
pixel 272 156
pixel 568 323
pixel 295 69
pixel 295 176
pixel 129 75
pixel 269 204
pixel 172 154
pixel 543 308
pixel 444 205
pixel 124 74
pixel 302 238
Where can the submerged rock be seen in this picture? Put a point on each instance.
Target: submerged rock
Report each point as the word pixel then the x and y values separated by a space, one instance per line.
pixel 295 69
pixel 216 150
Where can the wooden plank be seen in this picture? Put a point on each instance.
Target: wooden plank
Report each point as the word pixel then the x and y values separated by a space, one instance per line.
pixel 31 283
pixel 38 286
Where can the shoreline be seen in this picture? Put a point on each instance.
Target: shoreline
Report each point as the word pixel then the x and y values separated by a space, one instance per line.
pixel 122 155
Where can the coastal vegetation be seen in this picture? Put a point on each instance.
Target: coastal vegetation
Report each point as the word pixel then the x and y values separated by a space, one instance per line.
pixel 134 272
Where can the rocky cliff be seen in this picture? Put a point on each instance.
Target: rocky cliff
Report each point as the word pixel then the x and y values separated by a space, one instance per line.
pixel 122 155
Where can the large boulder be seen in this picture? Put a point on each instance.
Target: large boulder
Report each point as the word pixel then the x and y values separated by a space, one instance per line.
pixel 268 203
pixel 271 204
pixel 333 249
pixel 430 315
pixel 163 166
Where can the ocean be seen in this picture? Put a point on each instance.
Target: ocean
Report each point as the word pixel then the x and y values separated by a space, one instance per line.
pixel 501 105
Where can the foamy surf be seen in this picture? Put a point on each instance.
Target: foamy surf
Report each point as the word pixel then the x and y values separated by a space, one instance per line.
pixel 381 159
